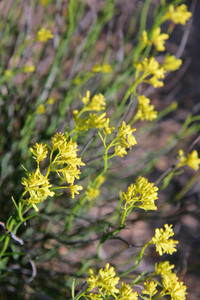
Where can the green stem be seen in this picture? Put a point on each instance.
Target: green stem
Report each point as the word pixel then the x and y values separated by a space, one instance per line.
pixel 137 261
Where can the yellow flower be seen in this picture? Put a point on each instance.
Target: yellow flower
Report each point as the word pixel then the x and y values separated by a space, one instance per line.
pixel 162 241
pixel 171 63
pixel 94 296
pixel 120 151
pixel 126 293
pixel 157 39
pixel 41 109
pixel 105 68
pixel 8 73
pixel 150 288
pixel 75 112
pixel 37 186
pixel 50 101
pixel 93 188
pixel 28 69
pixel 96 121
pixel 173 286
pixel 44 35
pixel 108 130
pixel 163 268
pixel 192 160
pixel 141 191
pixel 179 14
pixel 58 140
pixel 125 135
pixel 145 111
pixel 74 189
pixel 92 193
pixel 106 281
pixel 86 99
pixel 97 103
pixel 150 67
pixel 39 151
pixel 66 162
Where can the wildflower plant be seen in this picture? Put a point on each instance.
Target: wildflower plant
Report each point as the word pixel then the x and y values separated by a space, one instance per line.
pixel 69 209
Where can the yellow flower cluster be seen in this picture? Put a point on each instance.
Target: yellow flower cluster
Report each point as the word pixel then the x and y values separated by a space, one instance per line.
pixel 44 35
pixel 105 68
pixel 37 186
pixel 41 109
pixel 151 72
pixel 97 104
pixel 170 282
pixel 145 111
pixel 171 63
pixel 157 39
pixel 179 14
pixel 28 69
pixel 162 240
pixel 125 135
pixel 63 161
pixel 150 288
pixel 93 190
pixel 191 160
pixel 39 152
pixel 106 282
pixel 150 68
pixel 141 194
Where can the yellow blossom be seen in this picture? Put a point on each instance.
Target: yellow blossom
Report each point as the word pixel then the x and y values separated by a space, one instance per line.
pixel 97 103
pixel 86 98
pixel 92 193
pixel 173 286
pixel 106 281
pixel 41 109
pixel 50 101
pixel 126 293
pixel 74 189
pixel 96 121
pixel 44 35
pixel 37 186
pixel 157 39
pixel 94 296
pixel 66 162
pixel 93 190
pixel 105 68
pixel 162 240
pixel 171 63
pixel 120 151
pixel 58 140
pixel 192 160
pixel 8 73
pixel 75 112
pixel 150 288
pixel 145 111
pixel 163 268
pixel 141 194
pixel 150 68
pixel 108 130
pixel 179 14
pixel 39 151
pixel 125 135
pixel 28 69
